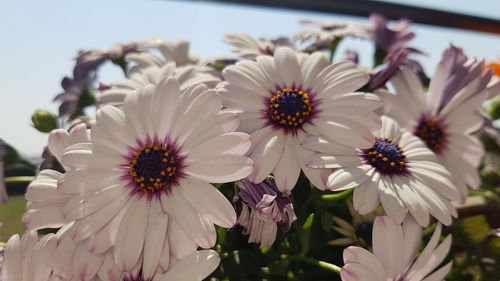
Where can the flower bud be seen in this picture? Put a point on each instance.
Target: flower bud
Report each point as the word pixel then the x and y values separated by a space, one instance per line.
pixel 44 121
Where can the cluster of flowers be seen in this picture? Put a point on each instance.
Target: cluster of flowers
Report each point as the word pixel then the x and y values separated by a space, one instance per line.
pixel 133 199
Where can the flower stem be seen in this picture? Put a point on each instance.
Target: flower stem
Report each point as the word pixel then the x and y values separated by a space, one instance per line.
pixel 338 196
pixel 19 179
pixel 313 261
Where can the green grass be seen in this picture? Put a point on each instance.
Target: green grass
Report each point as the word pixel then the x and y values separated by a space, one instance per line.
pixel 10 215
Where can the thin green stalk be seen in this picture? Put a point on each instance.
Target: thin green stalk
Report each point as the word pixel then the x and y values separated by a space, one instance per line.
pixel 19 179
pixel 313 261
pixel 338 196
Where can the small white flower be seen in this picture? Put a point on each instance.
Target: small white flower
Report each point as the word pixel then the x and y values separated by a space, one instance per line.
pixel 329 30
pixel 45 203
pixel 288 96
pixel 249 47
pixel 141 185
pixel 398 170
pixel 393 257
pixel 177 52
pixel 188 76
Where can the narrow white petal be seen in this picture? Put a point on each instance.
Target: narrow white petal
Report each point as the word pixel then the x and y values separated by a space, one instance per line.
pixel 388 245
pixel 287 170
pixel 131 234
pixel 155 236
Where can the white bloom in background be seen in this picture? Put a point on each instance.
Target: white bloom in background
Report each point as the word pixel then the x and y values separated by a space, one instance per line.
pixel 446 116
pixel 28 258
pixel 45 202
pixel 290 95
pixel 188 76
pixel 398 170
pixel 177 52
pixel 263 207
pixel 142 183
pixel 249 47
pixel 329 30
pixel 393 257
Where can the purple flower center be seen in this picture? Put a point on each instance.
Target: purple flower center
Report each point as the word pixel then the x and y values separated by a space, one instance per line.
pixel 432 132
pixel 386 157
pixel 289 109
pixel 154 167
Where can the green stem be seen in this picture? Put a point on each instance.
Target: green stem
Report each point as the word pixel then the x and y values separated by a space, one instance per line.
pixel 313 261
pixel 333 47
pixel 338 196
pixel 19 179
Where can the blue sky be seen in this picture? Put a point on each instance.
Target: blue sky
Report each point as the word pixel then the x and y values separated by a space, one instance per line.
pixel 40 38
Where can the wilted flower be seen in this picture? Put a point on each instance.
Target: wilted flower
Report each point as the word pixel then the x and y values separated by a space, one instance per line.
pixel 390 39
pixel 393 257
pixel 263 207
pixel 394 61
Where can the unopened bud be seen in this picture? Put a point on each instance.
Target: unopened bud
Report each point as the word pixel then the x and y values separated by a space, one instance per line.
pixel 44 121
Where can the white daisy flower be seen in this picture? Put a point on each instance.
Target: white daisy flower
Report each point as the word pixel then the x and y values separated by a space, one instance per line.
pixel 28 258
pixel 249 47
pixel 398 170
pixel 393 257
pixel 188 76
pixel 177 52
pixel 447 114
pixel 45 202
pixel 286 97
pixel 142 183
pixel 329 30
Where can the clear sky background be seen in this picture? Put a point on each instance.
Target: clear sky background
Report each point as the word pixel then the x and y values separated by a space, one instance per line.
pixel 40 38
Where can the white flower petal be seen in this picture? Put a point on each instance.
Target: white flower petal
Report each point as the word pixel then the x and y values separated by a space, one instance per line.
pixel 287 169
pixel 388 245
pixel 131 234
pixel 266 154
pixel 220 168
pixel 209 202
pixel 196 267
